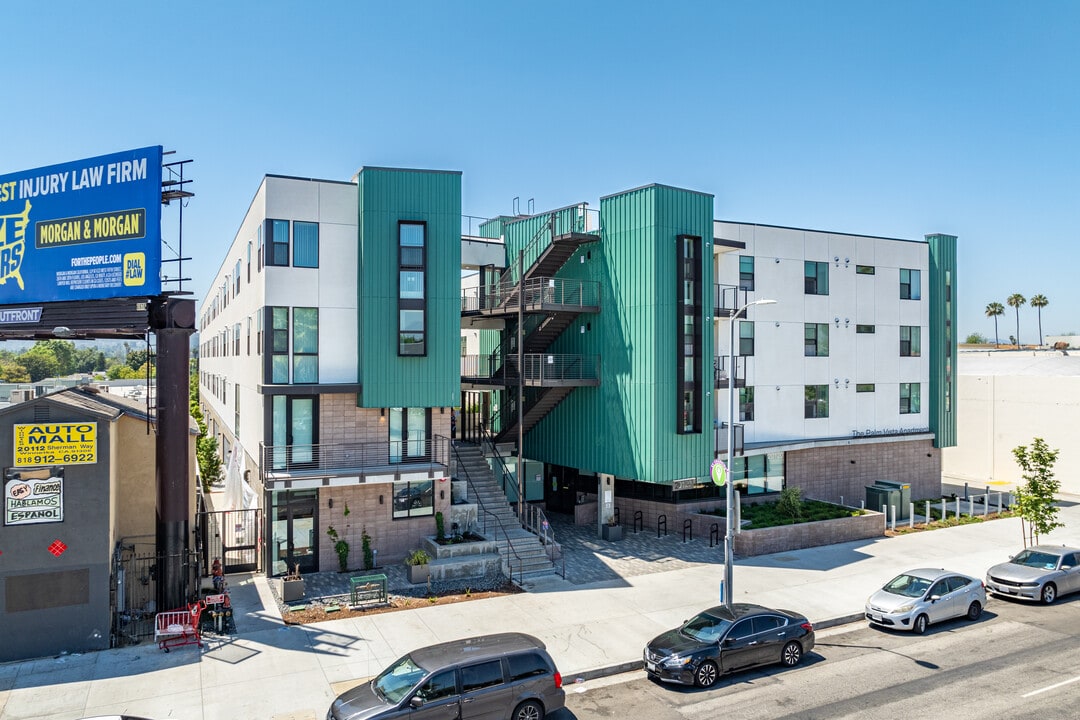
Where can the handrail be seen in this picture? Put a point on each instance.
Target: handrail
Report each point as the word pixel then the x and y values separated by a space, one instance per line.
pixel 501 527
pixel 490 440
pixel 546 533
pixel 348 455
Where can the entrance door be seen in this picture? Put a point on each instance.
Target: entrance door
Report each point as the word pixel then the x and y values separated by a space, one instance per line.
pixel 295 539
pixel 295 431
pixel 409 432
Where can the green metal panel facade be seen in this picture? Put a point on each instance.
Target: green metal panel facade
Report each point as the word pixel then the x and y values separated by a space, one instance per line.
pixel 493 228
pixel 626 426
pixel 388 196
pixel 943 339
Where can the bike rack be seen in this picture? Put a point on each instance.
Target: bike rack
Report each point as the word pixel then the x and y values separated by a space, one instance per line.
pixel 714 534
pixel 639 523
pixel 661 521
pixel 687 527
pixel 617 516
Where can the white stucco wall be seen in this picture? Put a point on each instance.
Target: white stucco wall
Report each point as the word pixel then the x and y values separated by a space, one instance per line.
pixel 1006 399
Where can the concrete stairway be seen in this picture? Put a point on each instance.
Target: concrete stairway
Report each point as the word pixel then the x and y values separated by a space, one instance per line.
pixel 521 550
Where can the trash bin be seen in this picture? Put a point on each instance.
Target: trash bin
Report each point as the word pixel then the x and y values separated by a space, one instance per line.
pixel 904 502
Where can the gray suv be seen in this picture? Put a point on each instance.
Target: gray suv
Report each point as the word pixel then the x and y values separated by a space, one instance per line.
pixel 509 675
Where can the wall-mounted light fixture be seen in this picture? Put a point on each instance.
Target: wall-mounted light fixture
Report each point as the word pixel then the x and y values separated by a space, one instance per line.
pixel 330 503
pixel 442 411
pixel 582 329
pixel 442 494
pixel 777 261
pixel 380 499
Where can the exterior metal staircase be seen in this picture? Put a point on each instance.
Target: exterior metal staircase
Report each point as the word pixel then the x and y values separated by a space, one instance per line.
pixel 523 553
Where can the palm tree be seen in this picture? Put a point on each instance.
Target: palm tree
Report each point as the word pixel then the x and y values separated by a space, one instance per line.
pixel 1039 302
pixel 1015 301
pixel 995 310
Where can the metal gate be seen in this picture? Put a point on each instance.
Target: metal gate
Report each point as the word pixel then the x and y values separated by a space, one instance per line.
pixel 136 571
pixel 235 536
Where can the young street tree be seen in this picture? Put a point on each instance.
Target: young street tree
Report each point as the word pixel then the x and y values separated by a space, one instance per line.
pixel 1035 498
pixel 995 310
pixel 1015 301
pixel 1039 302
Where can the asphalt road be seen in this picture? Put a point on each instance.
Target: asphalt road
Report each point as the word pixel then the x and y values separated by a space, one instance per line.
pixel 1017 661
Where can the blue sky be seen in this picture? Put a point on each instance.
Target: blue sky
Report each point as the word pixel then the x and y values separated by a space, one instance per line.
pixel 894 119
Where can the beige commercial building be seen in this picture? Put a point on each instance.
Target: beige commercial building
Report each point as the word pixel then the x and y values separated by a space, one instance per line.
pixel 1006 399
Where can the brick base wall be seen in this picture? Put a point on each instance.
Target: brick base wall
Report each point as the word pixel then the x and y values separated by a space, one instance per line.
pixel 804 535
pixel 844 471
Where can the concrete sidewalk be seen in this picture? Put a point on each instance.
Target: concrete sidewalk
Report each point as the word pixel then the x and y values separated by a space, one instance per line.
pixel 270 670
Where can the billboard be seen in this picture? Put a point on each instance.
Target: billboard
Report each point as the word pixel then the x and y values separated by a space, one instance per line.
pixel 83 230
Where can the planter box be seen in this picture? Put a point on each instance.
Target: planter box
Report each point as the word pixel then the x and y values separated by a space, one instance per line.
pixel 418 573
pixel 290 590
pixel 611 532
pixel 811 534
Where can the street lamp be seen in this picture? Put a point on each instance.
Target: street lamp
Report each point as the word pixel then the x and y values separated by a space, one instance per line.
pixel 729 513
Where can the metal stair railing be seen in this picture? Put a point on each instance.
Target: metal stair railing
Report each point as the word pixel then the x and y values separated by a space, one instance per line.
pixel 498 523
pixel 537 522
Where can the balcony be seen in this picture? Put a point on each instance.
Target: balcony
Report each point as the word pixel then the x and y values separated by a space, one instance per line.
pixel 541 370
pixel 283 462
pixel 727 299
pixel 541 294
pixel 720 371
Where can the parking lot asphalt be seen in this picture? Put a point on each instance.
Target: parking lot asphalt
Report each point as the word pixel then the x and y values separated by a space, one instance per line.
pixel 592 626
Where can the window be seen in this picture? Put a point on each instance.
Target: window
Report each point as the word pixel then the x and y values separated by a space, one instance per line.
pixel 742 629
pixel 259 235
pixel 305 244
pixel 279 345
pixel 305 346
pixel 817 401
pixel 277 239
pixel 439 686
pixel 249 335
pixel 910 284
pixel 249 261
pixel 864 269
pixel 746 337
pixel 765 623
pixel 816 337
pixel 909 341
pixel 746 404
pixel 414 498
pixel 909 399
pixel 865 329
pixel 481 675
pixel 412 288
pixel 527 665
pixel 258 331
pixel 236 410
pixel 816 278
pixel 688 342
pixel 864 387
pixel 236 280
pixel 746 272
pixel 236 339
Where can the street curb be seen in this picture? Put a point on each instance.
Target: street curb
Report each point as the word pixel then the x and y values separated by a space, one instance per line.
pixel 632 665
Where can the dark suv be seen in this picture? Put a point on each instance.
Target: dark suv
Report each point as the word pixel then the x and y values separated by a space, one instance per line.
pixel 509 675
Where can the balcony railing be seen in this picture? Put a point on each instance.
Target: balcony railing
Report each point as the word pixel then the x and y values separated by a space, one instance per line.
pixel 354 456
pixel 539 367
pixel 579 294
pixel 727 299
pixel 721 438
pixel 720 371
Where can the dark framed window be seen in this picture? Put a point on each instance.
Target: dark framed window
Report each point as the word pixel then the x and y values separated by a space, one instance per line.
pixel 258 331
pixel 816 336
pixel 236 339
pixel 412 288
pixel 414 498
pixel 259 236
pixel 746 272
pixel 305 244
pixel 249 335
pixel 910 399
pixel 910 341
pixel 481 675
pixel 758 474
pixel 864 270
pixel 910 284
pixel 865 329
pixel 249 261
pixel 816 278
pixel 864 387
pixel 746 338
pixel 746 404
pixel 236 280
pixel 527 665
pixel 817 401
pixel 305 346
pixel 688 308
pixel 277 241
pixel 279 345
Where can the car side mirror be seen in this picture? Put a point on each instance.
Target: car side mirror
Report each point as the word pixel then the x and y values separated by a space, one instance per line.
pixel 416 701
pixel 1011 557
pixel 934 598
pixel 1066 567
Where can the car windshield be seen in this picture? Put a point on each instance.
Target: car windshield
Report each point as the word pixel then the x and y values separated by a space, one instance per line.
pixel 394 682
pixel 705 627
pixel 907 585
pixel 1036 559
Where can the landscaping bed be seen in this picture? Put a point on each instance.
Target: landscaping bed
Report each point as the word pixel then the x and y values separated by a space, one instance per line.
pixel 329 609
pixel 772 514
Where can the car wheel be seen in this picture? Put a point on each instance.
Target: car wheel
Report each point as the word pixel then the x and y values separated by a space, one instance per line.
pixel 791 655
pixel 920 625
pixel 1049 593
pixel 528 710
pixel 974 611
pixel 706 674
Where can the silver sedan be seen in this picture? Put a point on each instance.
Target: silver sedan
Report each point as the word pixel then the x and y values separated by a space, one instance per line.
pixel 1040 573
pixel 913 600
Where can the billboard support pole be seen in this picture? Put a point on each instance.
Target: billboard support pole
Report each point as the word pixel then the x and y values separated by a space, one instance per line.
pixel 173 321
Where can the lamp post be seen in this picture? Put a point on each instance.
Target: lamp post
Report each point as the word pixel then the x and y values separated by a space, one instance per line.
pixel 729 512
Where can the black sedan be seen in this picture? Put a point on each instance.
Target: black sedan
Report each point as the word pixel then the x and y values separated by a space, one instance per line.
pixel 719 641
